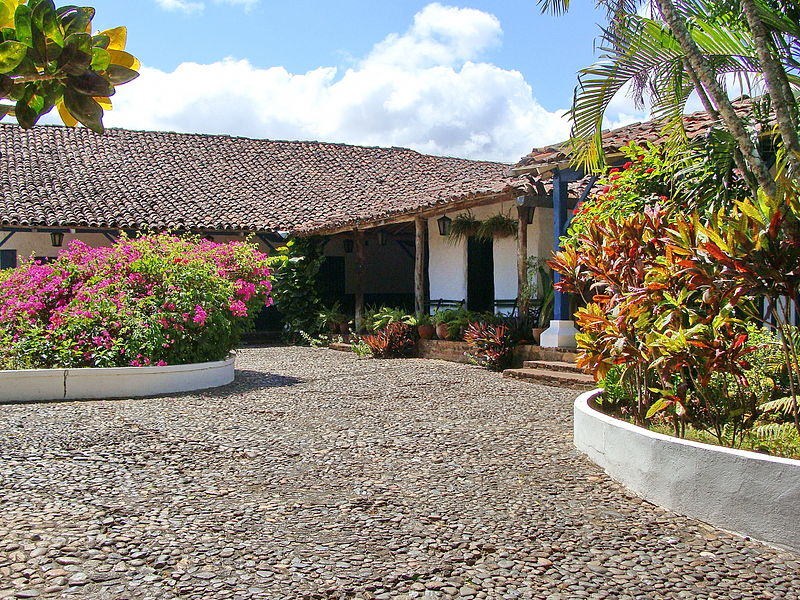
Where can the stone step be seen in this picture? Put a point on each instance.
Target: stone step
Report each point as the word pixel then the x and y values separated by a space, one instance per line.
pixel 561 379
pixel 552 365
pixel 567 355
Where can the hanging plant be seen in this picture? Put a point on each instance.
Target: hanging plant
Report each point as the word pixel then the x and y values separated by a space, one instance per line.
pixel 496 226
pixel 463 226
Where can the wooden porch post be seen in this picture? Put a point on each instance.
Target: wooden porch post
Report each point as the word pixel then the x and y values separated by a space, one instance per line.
pixel 523 293
pixel 359 281
pixel 421 227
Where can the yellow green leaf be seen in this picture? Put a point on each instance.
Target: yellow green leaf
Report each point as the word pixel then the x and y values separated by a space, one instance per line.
pixel 123 59
pixel 66 117
pixel 118 37
pixel 104 102
pixel 7 9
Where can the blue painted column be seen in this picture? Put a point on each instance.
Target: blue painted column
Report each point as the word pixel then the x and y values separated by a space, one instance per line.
pixel 561 302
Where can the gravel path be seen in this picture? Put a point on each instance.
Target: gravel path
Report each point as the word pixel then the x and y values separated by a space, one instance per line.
pixel 319 475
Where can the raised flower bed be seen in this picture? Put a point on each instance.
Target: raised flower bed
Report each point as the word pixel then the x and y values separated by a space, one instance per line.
pixel 151 315
pixel 740 491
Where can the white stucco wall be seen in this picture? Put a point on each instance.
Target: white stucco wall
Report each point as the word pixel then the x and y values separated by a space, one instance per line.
pixel 447 266
pixel 448 263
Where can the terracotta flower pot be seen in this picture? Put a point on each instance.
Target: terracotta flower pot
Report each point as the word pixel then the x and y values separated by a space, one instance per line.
pixel 537 334
pixel 442 331
pixel 426 331
pixel 344 328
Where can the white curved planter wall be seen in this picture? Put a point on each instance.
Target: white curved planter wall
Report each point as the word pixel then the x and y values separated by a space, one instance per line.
pixel 744 492
pixel 115 382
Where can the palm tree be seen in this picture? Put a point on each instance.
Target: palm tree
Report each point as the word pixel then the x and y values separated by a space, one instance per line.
pixel 690 47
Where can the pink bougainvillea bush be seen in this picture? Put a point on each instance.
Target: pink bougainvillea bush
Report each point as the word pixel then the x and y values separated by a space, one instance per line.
pixel 153 300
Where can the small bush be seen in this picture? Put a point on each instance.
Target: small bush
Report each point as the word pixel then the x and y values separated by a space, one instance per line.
pixel 490 345
pixel 396 340
pixel 154 300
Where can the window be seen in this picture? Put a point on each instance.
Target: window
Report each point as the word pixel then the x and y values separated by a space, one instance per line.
pixel 8 259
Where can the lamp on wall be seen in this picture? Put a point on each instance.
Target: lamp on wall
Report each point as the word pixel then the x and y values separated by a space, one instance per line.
pixel 348 246
pixel 383 238
pixel 444 225
pixel 56 238
pixel 527 212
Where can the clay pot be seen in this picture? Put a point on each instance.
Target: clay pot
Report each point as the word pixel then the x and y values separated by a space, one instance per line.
pixel 536 333
pixel 442 331
pixel 344 328
pixel 426 331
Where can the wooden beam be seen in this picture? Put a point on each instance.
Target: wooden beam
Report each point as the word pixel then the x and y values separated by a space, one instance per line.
pixel 420 227
pixel 523 293
pixel 359 281
pixel 409 216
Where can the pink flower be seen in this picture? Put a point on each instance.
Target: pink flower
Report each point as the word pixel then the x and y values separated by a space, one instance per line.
pixel 238 308
pixel 200 315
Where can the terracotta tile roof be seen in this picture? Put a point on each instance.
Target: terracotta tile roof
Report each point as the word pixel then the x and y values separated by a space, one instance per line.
pixel 695 124
pixel 55 176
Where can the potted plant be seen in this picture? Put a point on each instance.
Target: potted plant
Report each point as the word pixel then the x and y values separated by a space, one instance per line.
pixel 496 226
pixel 425 328
pixel 332 318
pixel 441 320
pixel 463 226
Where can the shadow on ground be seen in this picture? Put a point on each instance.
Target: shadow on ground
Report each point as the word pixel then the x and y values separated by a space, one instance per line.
pixel 247 381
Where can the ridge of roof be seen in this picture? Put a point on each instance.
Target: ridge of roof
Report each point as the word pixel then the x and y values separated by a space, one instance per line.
pixel 227 136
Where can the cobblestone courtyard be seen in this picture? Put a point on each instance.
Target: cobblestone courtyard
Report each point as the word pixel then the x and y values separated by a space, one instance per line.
pixel 319 475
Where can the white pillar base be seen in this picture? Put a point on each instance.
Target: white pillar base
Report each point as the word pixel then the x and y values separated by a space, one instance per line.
pixel 560 334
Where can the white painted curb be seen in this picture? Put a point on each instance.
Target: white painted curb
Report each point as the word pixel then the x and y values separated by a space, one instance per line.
pixel 32 385
pixel 743 492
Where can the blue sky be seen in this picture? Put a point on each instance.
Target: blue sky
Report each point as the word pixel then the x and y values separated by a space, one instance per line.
pixel 478 79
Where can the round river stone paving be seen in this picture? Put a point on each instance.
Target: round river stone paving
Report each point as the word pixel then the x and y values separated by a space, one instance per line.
pixel 321 475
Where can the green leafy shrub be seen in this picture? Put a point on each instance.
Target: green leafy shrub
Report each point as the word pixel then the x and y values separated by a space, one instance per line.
pixel 295 268
pixel 154 300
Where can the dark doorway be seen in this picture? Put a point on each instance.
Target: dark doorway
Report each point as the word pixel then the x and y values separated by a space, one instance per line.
pixel 480 275
pixel 331 280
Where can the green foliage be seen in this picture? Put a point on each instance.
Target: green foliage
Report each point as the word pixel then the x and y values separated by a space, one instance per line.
pixel 643 180
pixel 295 267
pixel 463 226
pixel 496 226
pixel 331 317
pixel 361 349
pixel 458 319
pixel 386 315
pixel 49 58
pixel 490 345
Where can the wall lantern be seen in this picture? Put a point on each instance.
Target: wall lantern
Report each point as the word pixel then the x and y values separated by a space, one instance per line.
pixel 444 225
pixel 527 212
pixel 56 238
pixel 383 237
pixel 348 246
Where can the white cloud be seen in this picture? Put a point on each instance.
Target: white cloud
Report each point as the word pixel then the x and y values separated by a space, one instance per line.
pixel 423 89
pixel 180 5
pixel 190 6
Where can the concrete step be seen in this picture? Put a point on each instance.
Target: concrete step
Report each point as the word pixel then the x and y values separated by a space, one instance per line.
pixel 562 379
pixel 567 355
pixel 552 365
